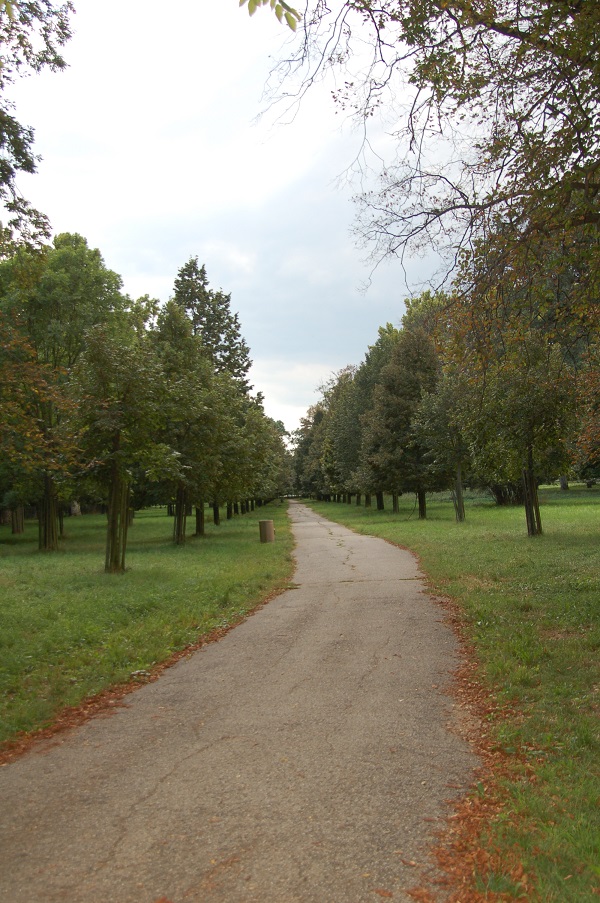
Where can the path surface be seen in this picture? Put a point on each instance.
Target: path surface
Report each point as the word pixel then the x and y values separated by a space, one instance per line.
pixel 304 758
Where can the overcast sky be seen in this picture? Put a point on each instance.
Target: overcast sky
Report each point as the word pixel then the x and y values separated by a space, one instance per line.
pixel 151 151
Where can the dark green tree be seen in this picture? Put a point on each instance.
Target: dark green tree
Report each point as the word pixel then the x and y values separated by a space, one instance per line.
pixel 31 38
pixel 57 294
pixel 392 449
pixel 212 319
pixel 119 387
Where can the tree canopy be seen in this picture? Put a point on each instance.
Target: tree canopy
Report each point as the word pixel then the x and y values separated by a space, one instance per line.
pixel 31 37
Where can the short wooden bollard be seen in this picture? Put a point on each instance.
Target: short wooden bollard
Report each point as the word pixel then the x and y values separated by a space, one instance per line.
pixel 267 530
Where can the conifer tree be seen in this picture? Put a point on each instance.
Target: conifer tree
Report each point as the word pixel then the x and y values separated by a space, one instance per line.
pixel 212 319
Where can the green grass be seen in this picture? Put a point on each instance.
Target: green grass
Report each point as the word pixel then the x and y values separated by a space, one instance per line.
pixel 532 610
pixel 69 631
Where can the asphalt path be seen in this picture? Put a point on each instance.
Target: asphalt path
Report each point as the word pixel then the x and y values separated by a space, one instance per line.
pixel 307 757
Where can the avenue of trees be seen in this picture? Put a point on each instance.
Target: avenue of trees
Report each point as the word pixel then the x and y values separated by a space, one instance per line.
pixel 493 111
pixel 111 402
pixel 438 404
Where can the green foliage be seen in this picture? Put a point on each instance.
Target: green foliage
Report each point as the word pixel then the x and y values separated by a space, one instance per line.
pixel 31 37
pixel 281 9
pixel 391 447
pixel 68 631
pixel 210 314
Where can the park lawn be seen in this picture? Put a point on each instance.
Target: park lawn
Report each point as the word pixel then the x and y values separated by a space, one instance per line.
pixel 68 631
pixel 530 609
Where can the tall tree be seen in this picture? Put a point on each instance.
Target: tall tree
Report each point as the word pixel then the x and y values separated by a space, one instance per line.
pixel 196 412
pixel 57 294
pixel 118 384
pixel 31 37
pixel 499 134
pixel 212 319
pixel 392 448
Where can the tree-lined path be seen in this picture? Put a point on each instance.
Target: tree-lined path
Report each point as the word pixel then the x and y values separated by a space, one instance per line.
pixel 305 757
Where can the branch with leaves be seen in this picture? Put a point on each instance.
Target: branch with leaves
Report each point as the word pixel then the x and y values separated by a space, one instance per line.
pixel 281 9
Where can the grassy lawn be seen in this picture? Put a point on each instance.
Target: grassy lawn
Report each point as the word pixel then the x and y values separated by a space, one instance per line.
pixel 69 631
pixel 531 609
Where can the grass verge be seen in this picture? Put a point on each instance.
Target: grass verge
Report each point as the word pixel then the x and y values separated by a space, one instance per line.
pixel 68 631
pixel 530 611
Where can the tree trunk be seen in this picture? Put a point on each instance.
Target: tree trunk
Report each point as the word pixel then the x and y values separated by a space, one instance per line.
pixel 395 507
pixel 532 507
pixel 200 518
pixel 118 520
pixel 48 517
pixel 216 514
pixel 236 507
pixel 229 510
pixel 380 502
pixel 458 496
pixel 358 499
pixel 367 499
pixel 564 482
pixel 422 498
pixel 17 519
pixel 349 498
pixel 180 522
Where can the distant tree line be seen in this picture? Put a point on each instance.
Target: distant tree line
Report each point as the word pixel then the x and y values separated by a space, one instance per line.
pixel 121 403
pixel 497 392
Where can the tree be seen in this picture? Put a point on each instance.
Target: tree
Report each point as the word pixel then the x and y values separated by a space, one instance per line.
pixel 196 410
pixel 31 35
pixel 393 450
pixel 587 444
pixel 210 314
pixel 308 441
pixel 522 425
pixel 439 423
pixel 118 384
pixel 57 294
pixel 35 448
pixel 497 135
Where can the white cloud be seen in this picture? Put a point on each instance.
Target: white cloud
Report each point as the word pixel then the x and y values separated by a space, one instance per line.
pixel 150 152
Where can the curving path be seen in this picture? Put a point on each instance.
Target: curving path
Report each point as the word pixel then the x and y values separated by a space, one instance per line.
pixel 304 758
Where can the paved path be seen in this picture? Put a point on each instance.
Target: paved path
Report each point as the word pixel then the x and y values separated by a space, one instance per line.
pixel 304 758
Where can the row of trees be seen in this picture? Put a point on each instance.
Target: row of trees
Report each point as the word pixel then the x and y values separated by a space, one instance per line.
pixel 494 111
pixel 124 402
pixel 462 393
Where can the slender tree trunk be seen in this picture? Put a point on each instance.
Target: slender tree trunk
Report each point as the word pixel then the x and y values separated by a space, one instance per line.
pixel 395 507
pixel 236 507
pixel 180 522
pixel 17 519
pixel 422 497
pixel 118 520
pixel 564 482
pixel 349 498
pixel 367 499
pixel 251 504
pixel 48 517
pixel 458 496
pixel 532 506
pixel 358 499
pixel 380 502
pixel 216 514
pixel 229 510
pixel 200 518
